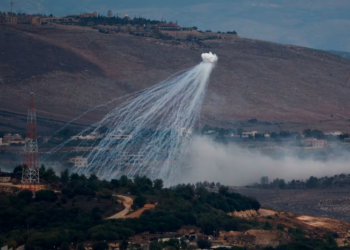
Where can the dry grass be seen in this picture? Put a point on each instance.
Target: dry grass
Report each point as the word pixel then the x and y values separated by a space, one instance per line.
pixel 73 69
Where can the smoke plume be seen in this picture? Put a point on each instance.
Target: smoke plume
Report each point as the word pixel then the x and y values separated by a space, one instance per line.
pixel 236 166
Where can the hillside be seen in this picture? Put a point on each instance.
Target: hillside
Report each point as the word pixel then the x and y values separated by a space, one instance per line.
pixel 72 69
pixel 74 218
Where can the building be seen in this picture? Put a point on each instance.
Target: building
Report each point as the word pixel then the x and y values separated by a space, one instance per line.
pixel 79 161
pixel 7 138
pixel 120 136
pixel 247 134
pixel 11 19
pixel 314 143
pixel 35 20
pixel 335 133
pixel 5 177
pixel 17 139
pixel 0 141
pixel 24 19
pixel 267 135
pixel 92 136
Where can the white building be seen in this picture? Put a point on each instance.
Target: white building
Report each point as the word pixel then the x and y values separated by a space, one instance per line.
pixel 247 134
pixel 92 136
pixel 79 161
pixel 267 135
pixel 335 133
pixel 314 143
pixel 9 138
pixel 5 179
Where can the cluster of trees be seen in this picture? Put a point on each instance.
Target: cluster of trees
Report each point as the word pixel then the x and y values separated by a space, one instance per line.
pixel 207 184
pixel 113 20
pixel 312 182
pixel 46 221
pixel 222 133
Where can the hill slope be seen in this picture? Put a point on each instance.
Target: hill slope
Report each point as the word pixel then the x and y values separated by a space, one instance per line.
pixel 72 69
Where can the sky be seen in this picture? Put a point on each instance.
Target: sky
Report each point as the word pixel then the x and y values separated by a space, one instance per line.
pixel 320 24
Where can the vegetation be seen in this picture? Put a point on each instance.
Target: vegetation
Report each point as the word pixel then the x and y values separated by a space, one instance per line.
pixel 340 180
pixel 47 220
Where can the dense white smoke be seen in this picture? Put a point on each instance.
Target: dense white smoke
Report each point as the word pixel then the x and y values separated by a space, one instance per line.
pixel 232 165
pixel 209 57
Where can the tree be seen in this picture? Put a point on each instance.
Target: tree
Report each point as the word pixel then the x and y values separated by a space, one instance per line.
pixel 45 195
pixel 17 169
pixel 64 246
pixel 155 246
pixel 26 195
pixel 140 201
pixel 109 13
pixel 240 131
pixel 101 246
pixel 80 247
pixel 204 244
pixel 115 183
pixel 123 245
pixel 267 226
pixel 158 184
pixel 282 184
pixel 223 190
pixel 124 181
pixel 312 182
pixel 173 243
pixel 65 176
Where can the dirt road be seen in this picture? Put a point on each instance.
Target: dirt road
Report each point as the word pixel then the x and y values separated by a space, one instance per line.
pixel 138 213
pixel 127 201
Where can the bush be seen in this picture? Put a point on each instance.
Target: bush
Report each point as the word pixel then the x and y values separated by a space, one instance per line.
pixel 140 201
pixel 280 227
pixel 267 226
pixel 46 195
pixel 204 244
pixel 100 246
pixel 26 195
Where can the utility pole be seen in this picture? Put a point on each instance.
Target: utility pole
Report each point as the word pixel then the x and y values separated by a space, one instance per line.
pixel 11 7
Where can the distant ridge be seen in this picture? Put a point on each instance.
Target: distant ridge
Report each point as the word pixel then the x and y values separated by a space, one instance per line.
pixel 340 53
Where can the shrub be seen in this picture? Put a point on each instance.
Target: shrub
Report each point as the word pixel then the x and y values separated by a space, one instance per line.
pixel 46 195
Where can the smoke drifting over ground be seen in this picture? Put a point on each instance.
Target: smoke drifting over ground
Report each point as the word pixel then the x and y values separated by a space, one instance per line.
pixel 232 165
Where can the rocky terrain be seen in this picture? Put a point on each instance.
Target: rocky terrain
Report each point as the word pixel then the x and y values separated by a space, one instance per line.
pixel 72 69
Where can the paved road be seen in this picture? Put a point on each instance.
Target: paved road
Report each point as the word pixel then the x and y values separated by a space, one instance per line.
pixel 127 201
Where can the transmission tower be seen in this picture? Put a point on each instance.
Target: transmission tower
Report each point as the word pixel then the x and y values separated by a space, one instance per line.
pixel 30 167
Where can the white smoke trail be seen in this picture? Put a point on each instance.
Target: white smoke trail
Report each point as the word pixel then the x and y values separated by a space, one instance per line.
pixel 143 133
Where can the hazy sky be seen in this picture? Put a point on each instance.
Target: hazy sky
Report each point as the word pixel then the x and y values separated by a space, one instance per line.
pixel 321 24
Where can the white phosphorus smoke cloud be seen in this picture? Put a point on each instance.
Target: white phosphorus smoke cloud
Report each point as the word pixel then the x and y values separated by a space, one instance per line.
pixel 149 134
pixel 237 166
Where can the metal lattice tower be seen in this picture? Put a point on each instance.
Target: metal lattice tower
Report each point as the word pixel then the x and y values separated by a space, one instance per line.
pixel 30 167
